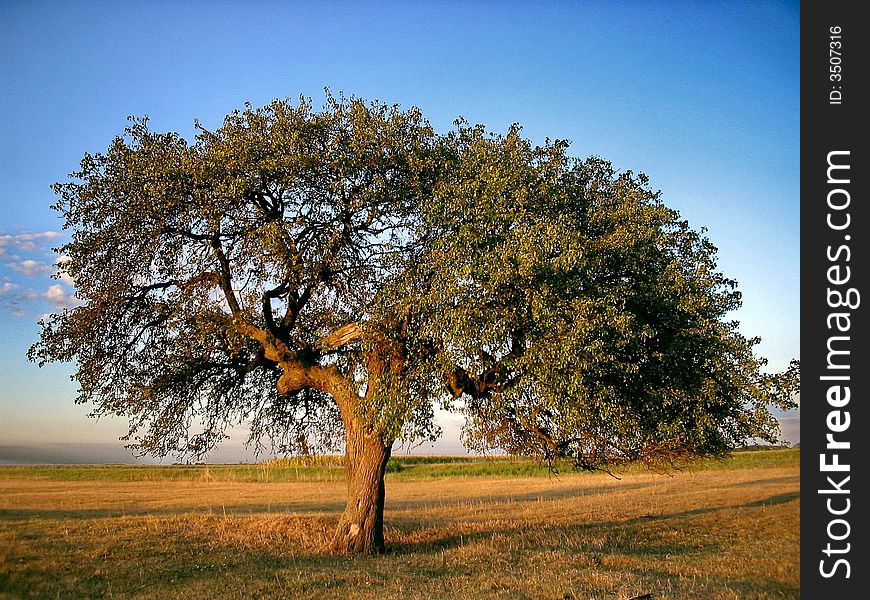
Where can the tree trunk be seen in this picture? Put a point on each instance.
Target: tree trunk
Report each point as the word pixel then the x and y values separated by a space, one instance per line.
pixel 361 527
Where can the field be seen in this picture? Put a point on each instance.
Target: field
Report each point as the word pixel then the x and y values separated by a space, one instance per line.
pixel 456 528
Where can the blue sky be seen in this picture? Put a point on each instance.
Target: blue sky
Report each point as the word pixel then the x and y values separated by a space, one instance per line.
pixel 702 97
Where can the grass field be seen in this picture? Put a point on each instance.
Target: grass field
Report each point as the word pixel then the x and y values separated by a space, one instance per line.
pixel 455 527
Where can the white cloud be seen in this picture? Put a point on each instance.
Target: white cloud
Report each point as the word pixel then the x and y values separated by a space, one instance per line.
pixel 31 268
pixel 59 297
pixel 61 273
pixel 27 237
pixel 27 241
pixel 10 297
pixel 20 302
pixel 7 288
pixel 28 256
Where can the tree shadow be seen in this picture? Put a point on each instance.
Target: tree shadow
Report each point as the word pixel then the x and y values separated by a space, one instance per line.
pixel 272 508
pixel 754 482
pixel 577 491
pixel 200 560
pixel 631 544
pixel 744 588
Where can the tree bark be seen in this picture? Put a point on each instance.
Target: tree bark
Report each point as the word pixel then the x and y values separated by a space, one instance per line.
pixel 361 528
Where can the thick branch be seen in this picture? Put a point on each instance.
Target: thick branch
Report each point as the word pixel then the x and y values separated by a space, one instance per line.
pixel 297 376
pixel 273 328
pixel 459 381
pixel 226 280
pixel 340 337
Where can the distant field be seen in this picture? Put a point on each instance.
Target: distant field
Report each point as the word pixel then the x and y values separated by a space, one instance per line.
pixel 329 468
pixel 456 528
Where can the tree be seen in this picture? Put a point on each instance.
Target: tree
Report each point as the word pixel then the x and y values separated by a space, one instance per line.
pixel 327 276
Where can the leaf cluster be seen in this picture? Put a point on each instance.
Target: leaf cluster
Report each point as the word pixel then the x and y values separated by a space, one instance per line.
pixel 557 302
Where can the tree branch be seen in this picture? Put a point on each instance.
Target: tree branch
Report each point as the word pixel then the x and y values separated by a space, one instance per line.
pixel 226 278
pixel 277 292
pixel 459 381
pixel 340 337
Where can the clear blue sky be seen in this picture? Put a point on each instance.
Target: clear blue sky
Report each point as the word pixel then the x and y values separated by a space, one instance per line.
pixel 702 97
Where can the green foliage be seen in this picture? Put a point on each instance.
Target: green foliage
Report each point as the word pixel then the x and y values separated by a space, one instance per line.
pixel 300 270
pixel 393 466
pixel 586 319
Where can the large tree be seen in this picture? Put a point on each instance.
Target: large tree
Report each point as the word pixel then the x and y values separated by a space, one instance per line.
pixel 328 276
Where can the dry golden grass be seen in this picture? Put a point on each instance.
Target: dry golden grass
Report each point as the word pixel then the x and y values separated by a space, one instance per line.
pixel 713 534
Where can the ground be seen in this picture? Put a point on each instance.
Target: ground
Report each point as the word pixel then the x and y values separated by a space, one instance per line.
pixel 473 528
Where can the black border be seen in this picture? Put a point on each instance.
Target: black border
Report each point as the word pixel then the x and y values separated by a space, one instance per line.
pixel 828 126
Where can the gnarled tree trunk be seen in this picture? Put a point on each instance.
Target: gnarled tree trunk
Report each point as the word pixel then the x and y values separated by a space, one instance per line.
pixel 361 528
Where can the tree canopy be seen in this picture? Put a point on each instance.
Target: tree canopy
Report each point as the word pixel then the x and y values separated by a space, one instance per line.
pixel 327 277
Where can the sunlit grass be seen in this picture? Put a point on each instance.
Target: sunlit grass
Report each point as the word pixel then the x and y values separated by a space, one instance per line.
pixel 730 531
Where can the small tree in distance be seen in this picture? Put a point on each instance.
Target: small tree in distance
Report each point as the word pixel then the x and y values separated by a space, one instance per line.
pixel 326 277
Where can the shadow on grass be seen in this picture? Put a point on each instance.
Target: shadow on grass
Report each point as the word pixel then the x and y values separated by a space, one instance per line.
pixel 742 588
pixel 319 507
pixel 577 491
pixel 113 567
pixel 632 544
pixel 273 508
pixel 335 507
pixel 755 482
pixel 191 570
